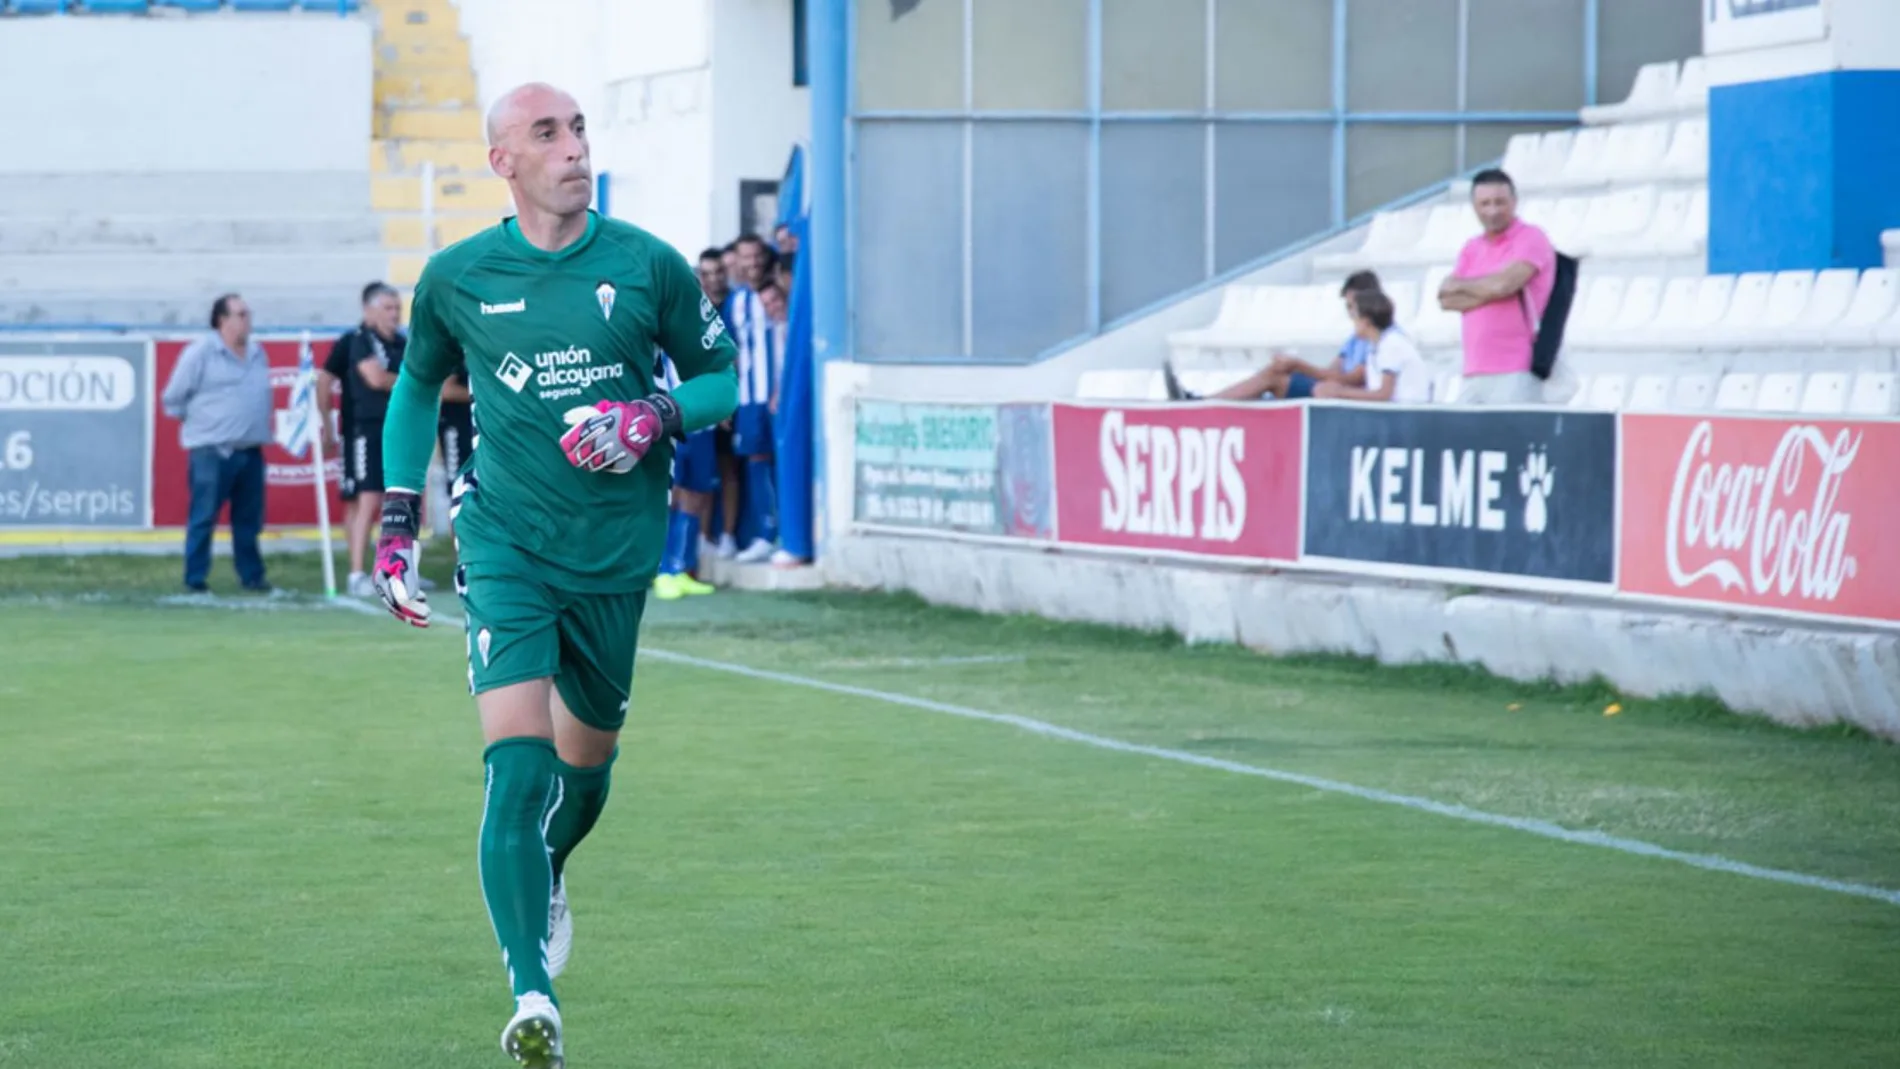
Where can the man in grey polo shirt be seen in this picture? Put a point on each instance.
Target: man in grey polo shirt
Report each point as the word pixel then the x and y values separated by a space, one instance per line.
pixel 221 392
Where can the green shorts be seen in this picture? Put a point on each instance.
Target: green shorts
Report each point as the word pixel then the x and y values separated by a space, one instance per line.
pixel 520 629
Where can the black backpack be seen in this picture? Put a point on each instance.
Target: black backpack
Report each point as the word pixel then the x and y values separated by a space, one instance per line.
pixel 1550 332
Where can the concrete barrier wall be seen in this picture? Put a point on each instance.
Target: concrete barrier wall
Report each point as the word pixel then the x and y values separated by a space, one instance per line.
pixel 1800 675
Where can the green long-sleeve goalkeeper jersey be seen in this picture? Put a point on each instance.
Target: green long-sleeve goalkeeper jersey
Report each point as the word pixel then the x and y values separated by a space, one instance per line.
pixel 543 334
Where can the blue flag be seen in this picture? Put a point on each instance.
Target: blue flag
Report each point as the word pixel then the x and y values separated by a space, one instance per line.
pixel 297 427
pixel 797 403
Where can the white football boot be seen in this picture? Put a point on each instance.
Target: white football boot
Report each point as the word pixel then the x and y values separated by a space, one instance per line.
pixel 560 931
pixel 533 1036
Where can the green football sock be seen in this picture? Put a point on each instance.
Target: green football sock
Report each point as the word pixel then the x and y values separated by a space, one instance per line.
pixel 516 879
pixel 583 794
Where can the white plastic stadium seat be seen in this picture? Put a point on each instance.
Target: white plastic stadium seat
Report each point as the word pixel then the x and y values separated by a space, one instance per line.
pixel 1624 215
pixel 1631 152
pixel 1389 234
pixel 1692 87
pixel 1692 393
pixel 1876 393
pixel 1446 231
pixel 1536 210
pixel 1227 324
pixel 1663 234
pixel 1688 157
pixel 1642 305
pixel 1828 301
pixel 1567 227
pixel 1874 302
pixel 1317 317
pixel 1653 93
pixel 1120 384
pixel 1746 307
pixel 1825 394
pixel 1737 392
pixel 1524 160
pixel 1608 392
pixel 1789 295
pixel 1780 392
pixel 1435 328
pixel 1584 165
pixel 1649 393
pixel 1686 330
pixel 1539 160
pixel 1405 297
pixel 1581 398
pixel 1669 312
pixel 1596 309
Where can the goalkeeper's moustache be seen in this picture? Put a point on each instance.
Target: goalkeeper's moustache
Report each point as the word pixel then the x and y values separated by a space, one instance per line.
pixel 396 578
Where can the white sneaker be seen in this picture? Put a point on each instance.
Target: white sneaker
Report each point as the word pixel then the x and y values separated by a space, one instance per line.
pixel 728 547
pixel 359 586
pixel 758 552
pixel 533 1036
pixel 708 547
pixel 785 558
pixel 560 931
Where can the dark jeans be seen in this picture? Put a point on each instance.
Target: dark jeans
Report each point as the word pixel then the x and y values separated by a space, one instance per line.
pixel 216 479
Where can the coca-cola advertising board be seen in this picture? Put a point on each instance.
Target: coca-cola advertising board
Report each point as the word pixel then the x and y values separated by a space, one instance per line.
pixel 1208 480
pixel 1790 515
pixel 289 499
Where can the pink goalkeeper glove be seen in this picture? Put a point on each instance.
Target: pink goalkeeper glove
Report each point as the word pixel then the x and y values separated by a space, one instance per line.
pixel 612 436
pixel 396 579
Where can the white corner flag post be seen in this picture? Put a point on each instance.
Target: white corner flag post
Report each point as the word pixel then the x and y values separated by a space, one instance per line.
pixel 306 434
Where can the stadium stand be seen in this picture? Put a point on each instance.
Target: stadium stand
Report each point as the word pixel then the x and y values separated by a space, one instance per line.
pixel 1627 192
pixel 145 244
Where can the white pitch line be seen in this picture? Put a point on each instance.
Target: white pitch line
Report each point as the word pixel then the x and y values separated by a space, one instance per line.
pixel 1542 828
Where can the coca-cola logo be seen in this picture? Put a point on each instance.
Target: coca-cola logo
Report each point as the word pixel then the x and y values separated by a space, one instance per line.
pixel 1772 527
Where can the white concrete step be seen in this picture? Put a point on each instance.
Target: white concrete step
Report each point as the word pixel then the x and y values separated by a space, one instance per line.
pixel 187 233
pixel 208 272
pixel 185 310
pixel 228 194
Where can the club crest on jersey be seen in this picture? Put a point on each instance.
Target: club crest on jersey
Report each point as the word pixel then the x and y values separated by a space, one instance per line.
pixel 604 293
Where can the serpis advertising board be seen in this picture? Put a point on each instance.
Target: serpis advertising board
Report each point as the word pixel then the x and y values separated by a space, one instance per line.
pixel 1206 480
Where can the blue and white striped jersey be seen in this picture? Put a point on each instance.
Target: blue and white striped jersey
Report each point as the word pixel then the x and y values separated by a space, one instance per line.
pixel 761 348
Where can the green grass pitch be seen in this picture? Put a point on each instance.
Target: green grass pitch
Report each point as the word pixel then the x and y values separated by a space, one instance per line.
pixel 244 838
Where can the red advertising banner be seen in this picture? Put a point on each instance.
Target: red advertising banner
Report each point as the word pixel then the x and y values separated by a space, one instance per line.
pixel 289 500
pixel 1218 481
pixel 1785 514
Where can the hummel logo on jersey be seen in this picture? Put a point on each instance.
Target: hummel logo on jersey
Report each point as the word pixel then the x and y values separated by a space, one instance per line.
pixel 505 309
pixel 514 371
pixel 604 293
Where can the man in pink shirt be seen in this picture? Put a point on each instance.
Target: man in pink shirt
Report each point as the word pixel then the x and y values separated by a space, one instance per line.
pixel 1501 285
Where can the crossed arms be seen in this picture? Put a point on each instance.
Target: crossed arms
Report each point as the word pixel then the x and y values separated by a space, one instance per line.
pixel 1464 294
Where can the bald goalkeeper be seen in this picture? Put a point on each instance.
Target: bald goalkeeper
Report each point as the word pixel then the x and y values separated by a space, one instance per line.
pixel 561 514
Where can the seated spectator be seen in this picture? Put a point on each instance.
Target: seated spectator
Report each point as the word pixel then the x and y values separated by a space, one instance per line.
pixel 1501 284
pixel 1395 371
pixel 1288 377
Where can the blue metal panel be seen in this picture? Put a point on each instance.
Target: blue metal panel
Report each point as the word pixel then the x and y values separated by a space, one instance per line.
pixel 1339 111
pixel 1095 166
pixel 1592 12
